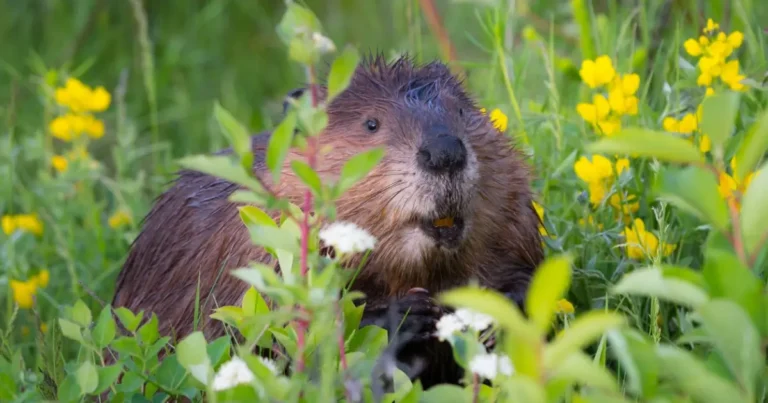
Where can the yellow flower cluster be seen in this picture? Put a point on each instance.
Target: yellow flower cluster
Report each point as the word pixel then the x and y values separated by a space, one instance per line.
pixel 733 186
pixel 78 153
pixel 25 222
pixel 24 291
pixel 687 125
pixel 713 49
pixel 564 306
pixel 120 218
pixel 606 109
pixel 639 242
pixel 600 174
pixel 498 118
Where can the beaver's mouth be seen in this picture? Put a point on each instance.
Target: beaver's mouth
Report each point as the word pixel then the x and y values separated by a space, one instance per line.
pixel 446 231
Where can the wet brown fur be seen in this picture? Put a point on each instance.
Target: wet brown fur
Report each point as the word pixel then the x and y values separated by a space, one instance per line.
pixel 194 234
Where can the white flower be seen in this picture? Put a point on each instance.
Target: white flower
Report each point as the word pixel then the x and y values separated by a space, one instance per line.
pixel 269 364
pixel 459 321
pixel 322 43
pixel 488 365
pixel 475 320
pixel 231 374
pixel 346 237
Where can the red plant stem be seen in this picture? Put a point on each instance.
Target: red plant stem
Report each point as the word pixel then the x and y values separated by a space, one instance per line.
pixel 475 388
pixel 310 154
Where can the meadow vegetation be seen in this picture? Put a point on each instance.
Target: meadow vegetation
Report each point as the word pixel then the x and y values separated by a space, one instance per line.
pixel 646 123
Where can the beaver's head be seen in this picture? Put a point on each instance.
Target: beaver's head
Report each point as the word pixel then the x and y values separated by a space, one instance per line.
pixel 425 195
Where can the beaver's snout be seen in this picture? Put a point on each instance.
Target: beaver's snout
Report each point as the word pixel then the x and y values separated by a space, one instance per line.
pixel 442 153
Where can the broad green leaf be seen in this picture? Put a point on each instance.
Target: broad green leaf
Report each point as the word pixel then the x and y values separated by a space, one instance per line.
pixel 81 313
pixel 648 143
pixel 636 355
pixel 685 274
pixel 357 167
pixel 524 389
pixel 550 282
pixel 297 19
pixel 754 214
pixel 170 374
pixel 248 197
pixel 218 350
pixel 70 330
pixel 127 346
pixel 308 175
pixel 584 330
pixel 87 377
pixel 445 393
pixel 105 329
pixel 727 277
pixel 236 134
pixel 342 70
pixel 255 215
pixel 736 338
pixel 650 282
pixel 253 302
pixel 148 333
pixel 694 190
pixel 718 114
pixel 580 369
pixel 221 166
pixel 753 147
pixel 130 382
pixel 191 353
pixel 689 375
pixel 69 390
pixel 275 238
pixel 107 376
pixel 279 144
pixel 129 320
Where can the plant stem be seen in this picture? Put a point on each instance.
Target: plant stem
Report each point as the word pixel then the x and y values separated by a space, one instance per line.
pixel 475 388
pixel 342 352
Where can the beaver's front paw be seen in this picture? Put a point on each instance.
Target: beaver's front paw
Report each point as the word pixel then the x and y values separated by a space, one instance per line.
pixel 413 316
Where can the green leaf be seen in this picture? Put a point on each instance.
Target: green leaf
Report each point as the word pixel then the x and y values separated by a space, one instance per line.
pixel 148 333
pixel 727 277
pixel 308 175
pixel 70 330
pixel 735 338
pixel 81 313
pixel 636 355
pixel 650 282
pixel 107 376
pixel 445 393
pixel 297 19
pixel 255 215
pixel 718 114
pixel 128 319
pixel 192 355
pixel 357 167
pixel 105 329
pixel 236 134
pixel 694 190
pixel 221 166
pixel 87 377
pixel 580 369
pixel 524 389
pixel 689 375
pixel 127 346
pixel 342 70
pixel 752 149
pixel 648 143
pixel 170 374
pixel 550 282
pixel 584 330
pixel 754 214
pixel 275 238
pixel 279 144
pixel 218 350
pixel 69 389
pixel 130 382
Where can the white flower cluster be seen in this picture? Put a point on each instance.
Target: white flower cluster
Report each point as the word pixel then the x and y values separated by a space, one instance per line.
pixel 347 237
pixel 488 365
pixel 235 372
pixel 460 320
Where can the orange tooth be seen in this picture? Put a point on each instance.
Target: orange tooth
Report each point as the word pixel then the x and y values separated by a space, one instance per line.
pixel 443 222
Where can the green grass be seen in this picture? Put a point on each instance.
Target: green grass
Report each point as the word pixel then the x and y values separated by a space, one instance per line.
pixel 200 52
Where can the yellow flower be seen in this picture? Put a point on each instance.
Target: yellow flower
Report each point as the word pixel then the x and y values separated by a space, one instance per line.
pixel 9 224
pixel 693 47
pixel 709 92
pixel 42 278
pixel 705 144
pixel 593 171
pixel 29 223
pixel 731 76
pixel 596 111
pixel 60 128
pixel 590 221
pixel 711 26
pixel 639 242
pixel 540 213
pixel 729 186
pixel 59 163
pixel 626 207
pixel 99 100
pixel 564 306
pixel 498 118
pixel 609 126
pixel 95 128
pixel 44 327
pixel 735 39
pixel 24 293
pixel 119 218
pixel 598 72
pixel 78 97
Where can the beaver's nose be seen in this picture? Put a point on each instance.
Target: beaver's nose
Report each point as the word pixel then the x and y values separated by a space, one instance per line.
pixel 442 153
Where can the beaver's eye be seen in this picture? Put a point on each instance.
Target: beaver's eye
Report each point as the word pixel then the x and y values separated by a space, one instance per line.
pixel 372 125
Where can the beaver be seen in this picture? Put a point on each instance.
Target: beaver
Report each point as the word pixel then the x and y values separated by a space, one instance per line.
pixel 450 203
